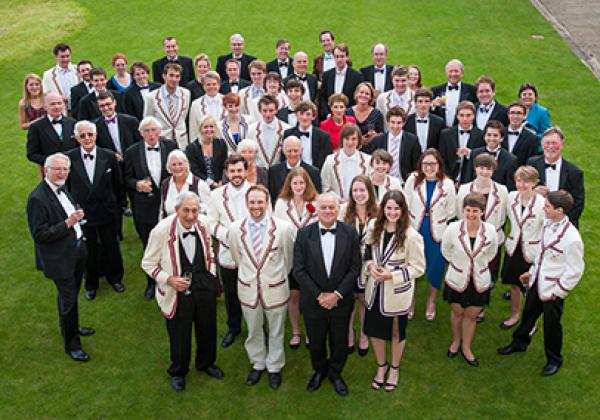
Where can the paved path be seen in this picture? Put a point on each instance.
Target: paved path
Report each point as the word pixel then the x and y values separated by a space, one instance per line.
pixel 578 22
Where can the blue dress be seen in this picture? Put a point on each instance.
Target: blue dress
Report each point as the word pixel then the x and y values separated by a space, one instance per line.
pixel 435 262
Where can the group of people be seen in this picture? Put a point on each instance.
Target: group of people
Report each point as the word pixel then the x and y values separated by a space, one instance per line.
pixel 325 195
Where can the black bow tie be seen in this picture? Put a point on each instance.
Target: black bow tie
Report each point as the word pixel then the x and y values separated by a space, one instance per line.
pixel 324 231
pixel 233 83
pixel 513 133
pixel 144 87
pixel 188 233
pixel 155 149
pixel 424 121
pixel 484 109
pixel 550 165
pixel 172 60
pixel 450 87
pixel 379 71
pixel 57 121
pixel 304 133
pixel 61 189
pixel 88 156
pixel 465 131
pixel 493 154
pixel 301 78
pixel 284 64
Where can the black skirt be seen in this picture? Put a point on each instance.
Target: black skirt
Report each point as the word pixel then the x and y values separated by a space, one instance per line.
pixel 513 267
pixel 293 282
pixel 469 297
pixel 380 326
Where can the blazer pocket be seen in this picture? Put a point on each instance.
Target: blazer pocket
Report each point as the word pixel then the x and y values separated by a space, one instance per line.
pixel 404 288
pixel 243 283
pixel 109 170
pixel 455 267
pixel 533 242
pixel 279 283
pixel 554 279
pixel 484 269
pixel 444 220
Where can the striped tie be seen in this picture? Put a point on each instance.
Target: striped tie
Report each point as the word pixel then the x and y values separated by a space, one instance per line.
pixel 172 107
pixel 394 151
pixel 257 239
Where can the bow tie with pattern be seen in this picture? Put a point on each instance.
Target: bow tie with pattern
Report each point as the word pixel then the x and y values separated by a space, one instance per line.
pixel 111 120
pixel 324 231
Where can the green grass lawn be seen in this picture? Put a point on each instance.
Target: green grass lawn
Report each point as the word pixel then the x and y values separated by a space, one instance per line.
pixel 127 376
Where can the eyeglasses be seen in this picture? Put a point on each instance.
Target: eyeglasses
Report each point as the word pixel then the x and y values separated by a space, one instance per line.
pixel 515 113
pixel 90 135
pixel 430 164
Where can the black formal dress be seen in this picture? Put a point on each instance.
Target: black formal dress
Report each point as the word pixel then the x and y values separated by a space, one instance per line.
pixel 449 142
pixel 351 81
pixel 43 141
pixel 88 106
pixel 244 61
pixel 505 172
pixel 185 62
pixel 278 173
pixel 311 274
pixel 320 144
pixel 134 101
pixel 409 152
pixel 435 125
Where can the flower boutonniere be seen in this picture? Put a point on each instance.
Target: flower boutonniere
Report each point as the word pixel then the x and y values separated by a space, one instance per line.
pixel 311 209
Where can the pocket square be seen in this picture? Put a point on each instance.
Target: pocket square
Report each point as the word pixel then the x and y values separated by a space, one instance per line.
pixel 109 170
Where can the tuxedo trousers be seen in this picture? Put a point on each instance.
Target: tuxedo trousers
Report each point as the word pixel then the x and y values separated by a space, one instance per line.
pixel 273 358
pixel 103 245
pixel 320 330
pixel 229 278
pixel 143 230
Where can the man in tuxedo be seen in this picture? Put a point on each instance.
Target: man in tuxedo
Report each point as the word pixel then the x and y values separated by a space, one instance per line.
pixel 493 135
pixel 400 95
pixel 258 73
pixel 179 258
pixel 309 81
pixel 282 64
pixel 401 144
pixel 557 269
pixel 60 251
pixel 326 265
pixel 233 83
pixel 236 42
pixel 325 61
pixel 88 106
pixel 292 151
pixel 457 142
pixel 556 173
pixel 340 79
pixel 294 90
pixel 448 95
pixel 486 108
pixel 170 106
pixel 95 182
pixel 268 132
pixel 170 48
pixel 84 87
pixel 63 76
pixel 116 131
pixel 52 133
pixel 379 74
pixel 145 169
pixel 520 140
pixel 316 144
pixel 262 248
pixel 424 124
pixel 135 96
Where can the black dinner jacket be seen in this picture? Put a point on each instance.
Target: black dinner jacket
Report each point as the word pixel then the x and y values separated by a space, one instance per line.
pixel 55 244
pixel 310 272
pixel 311 80
pixel 368 73
pixel 226 87
pixel 88 106
pixel 145 208
pixel 42 140
pixel 353 78
pixel 134 102
pixel 525 147
pixel 273 65
pixel 128 132
pixel 570 179
pixel 194 154
pixel 284 113
pixel 245 61
pixel 448 145
pixel 185 62
pixel 467 93
pixel 499 113
pixel 503 174
pixel 436 125
pixel 99 199
pixel 320 144
pixel 78 92
pixel 409 153
pixel 278 173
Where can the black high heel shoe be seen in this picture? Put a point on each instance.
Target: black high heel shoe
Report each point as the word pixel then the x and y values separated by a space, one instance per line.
pixel 376 385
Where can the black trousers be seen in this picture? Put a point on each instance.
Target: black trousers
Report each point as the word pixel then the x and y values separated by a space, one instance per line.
pixel 199 309
pixel 103 245
pixel 143 230
pixel 552 311
pixel 68 291
pixel 232 302
pixel 319 330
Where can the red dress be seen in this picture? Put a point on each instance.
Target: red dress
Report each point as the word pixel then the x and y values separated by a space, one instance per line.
pixel 334 130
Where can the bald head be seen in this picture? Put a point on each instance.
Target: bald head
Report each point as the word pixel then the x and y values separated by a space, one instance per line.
pixel 379 52
pixel 54 104
pixel 300 62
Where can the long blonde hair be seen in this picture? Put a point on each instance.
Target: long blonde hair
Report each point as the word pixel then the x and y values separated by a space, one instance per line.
pixel 26 96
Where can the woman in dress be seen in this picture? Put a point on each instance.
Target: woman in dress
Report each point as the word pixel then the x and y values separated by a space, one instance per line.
pixel 394 258
pixel 369 119
pixel 341 167
pixel 196 86
pixel 381 162
pixel 208 153
pixel 31 105
pixel 181 180
pixel 469 245
pixel 360 208
pixel 525 209
pixel 297 205
pixel 121 79
pixel 414 77
pixel 538 117
pixel 431 202
pixel 248 148
pixel 233 126
pixel 338 103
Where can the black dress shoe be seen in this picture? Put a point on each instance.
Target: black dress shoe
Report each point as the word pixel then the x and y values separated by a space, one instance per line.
pixel 550 369
pixel 351 349
pixel 505 326
pixel 79 355
pixel 506 295
pixel 90 294
pixel 451 354
pixel 511 348
pixel 363 352
pixel 178 383
pixel 85 331
pixel 254 376
pixel 228 339
pixel 473 362
pixel 119 287
pixel 214 371
pixel 127 212
pixel 149 293
pixel 340 386
pixel 274 379
pixel 315 381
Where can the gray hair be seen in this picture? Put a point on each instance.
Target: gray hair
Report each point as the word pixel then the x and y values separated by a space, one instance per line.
pixel 176 154
pixel 184 196
pixel 299 53
pixel 84 124
pixel 455 61
pixel 236 37
pixel 328 195
pixel 148 121
pixel 50 160
pixel 291 139
pixel 247 144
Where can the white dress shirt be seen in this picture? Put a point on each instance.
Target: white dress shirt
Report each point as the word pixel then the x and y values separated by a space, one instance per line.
pixel 89 164
pixel 213 106
pixel 67 79
pixel 283 70
pixel 340 77
pixel 553 176
pixel 452 99
pixel 512 138
pixel 328 62
pixel 67 206
pixel 482 114
pixel 379 78
pixel 307 144
pixel 463 139
pixel 154 163
pixel 238 198
pixel 189 242
pixel 57 127
pixel 422 131
pixel 113 129
pixel 328 247
pixel 292 118
pixel 269 135
pixel 395 142
pixel 349 169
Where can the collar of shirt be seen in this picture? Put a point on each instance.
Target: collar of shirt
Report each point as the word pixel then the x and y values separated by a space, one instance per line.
pixel 307 130
pixel 334 226
pixel 555 226
pixel 83 153
pixel 401 98
pixel 52 186
pixel 213 99
pixel 258 225
pixel 166 93
pixel 466 129
pixel 290 167
pixel 50 118
pixel 487 107
pixel 157 145
pixel 237 57
pixel 182 229
pixel 448 84
pixel 63 70
pixel 241 190
pixel 171 60
pixel 271 126
pixel 557 163
pixel 341 72
pixel 392 136
pixel 345 157
pixel 327 56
